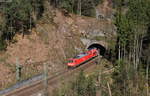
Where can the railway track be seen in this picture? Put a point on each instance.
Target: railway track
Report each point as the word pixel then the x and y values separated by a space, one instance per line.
pixel 37 87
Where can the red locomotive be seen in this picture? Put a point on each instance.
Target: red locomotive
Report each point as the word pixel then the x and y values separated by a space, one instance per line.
pixel 83 57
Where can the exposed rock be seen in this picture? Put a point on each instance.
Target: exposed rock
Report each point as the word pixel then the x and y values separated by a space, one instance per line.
pixel 54 43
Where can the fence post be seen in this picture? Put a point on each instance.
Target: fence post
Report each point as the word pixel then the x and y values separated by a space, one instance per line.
pixel 18 70
pixel 45 79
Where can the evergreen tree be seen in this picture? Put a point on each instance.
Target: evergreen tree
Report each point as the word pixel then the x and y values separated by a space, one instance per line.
pixel 132 26
pixel 84 86
pixel 18 16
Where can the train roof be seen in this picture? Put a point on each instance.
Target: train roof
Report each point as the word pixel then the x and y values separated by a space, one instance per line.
pixel 80 55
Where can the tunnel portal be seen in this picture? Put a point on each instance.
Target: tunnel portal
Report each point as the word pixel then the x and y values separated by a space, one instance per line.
pixel 100 48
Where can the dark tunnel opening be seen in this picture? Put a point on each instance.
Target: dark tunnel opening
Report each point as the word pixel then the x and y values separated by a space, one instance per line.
pixel 101 48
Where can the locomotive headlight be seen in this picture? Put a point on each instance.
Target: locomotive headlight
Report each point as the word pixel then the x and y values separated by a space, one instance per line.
pixel 70 63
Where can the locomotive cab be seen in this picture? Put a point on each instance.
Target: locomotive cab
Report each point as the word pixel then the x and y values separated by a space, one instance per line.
pixel 82 57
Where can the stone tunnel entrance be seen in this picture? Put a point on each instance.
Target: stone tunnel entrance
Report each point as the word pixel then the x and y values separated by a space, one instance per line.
pixel 101 48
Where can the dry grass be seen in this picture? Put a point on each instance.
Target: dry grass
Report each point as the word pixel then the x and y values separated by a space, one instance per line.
pixel 54 42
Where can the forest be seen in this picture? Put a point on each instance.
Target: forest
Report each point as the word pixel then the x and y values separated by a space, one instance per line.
pixel 130 56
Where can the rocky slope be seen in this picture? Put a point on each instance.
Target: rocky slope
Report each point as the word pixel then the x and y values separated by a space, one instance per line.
pixel 51 43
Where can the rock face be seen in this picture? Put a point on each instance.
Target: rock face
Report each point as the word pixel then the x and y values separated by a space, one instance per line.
pixel 104 10
pixel 54 43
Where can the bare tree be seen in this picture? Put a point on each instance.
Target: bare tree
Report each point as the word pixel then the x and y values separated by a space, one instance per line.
pixel 79 7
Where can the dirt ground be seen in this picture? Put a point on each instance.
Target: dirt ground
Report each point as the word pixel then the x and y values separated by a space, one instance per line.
pixel 48 43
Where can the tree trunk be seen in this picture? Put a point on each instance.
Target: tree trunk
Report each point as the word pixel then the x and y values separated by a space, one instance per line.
pixel 119 56
pixel 79 7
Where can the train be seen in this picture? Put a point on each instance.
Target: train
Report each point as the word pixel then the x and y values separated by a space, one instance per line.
pixel 82 58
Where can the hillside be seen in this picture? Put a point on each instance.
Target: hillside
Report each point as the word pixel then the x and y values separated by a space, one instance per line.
pixel 41 39
pixel 51 43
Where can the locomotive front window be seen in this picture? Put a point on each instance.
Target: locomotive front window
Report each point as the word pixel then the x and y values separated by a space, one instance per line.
pixel 70 61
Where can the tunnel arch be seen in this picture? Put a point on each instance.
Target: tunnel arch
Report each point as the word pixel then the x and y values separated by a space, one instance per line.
pixel 101 48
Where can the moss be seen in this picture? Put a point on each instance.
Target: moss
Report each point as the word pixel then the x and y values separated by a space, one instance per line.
pixel 98 38
pixel 3 45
